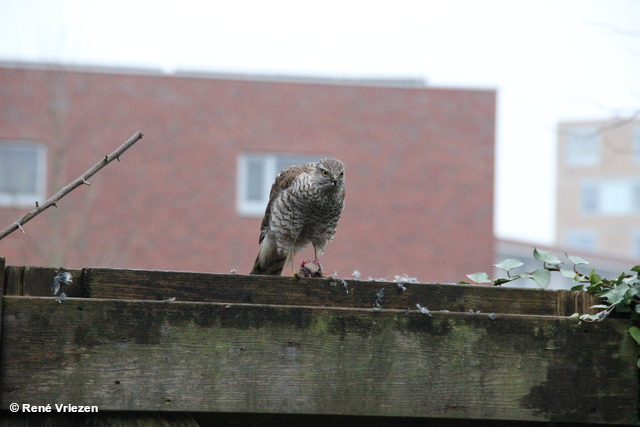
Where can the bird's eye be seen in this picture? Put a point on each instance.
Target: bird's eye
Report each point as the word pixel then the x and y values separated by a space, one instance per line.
pixel 341 174
pixel 325 173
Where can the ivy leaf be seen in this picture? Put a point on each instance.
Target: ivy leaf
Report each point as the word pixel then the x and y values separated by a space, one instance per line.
pixel 576 259
pixel 480 277
pixel 628 296
pixel 542 277
pixel 509 264
pixel 577 288
pixel 635 333
pixel 594 277
pixel 636 269
pixel 545 256
pixel 616 295
pixel 568 273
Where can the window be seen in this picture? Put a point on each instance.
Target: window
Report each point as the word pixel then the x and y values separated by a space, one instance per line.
pixel 583 239
pixel 635 198
pixel 590 198
pixel 256 173
pixel 582 147
pixel 22 173
pixel 611 197
pixel 636 143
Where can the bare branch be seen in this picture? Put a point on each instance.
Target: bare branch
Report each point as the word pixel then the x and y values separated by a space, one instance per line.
pixel 618 123
pixel 82 179
pixel 612 125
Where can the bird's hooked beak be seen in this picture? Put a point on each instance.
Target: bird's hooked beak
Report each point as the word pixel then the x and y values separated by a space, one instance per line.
pixel 334 179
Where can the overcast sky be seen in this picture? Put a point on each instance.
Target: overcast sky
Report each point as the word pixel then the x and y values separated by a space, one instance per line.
pixel 549 60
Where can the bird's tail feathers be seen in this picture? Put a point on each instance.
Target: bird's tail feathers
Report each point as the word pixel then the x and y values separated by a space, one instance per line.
pixel 269 260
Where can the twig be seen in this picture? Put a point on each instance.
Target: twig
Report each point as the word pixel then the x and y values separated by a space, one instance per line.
pixel 81 180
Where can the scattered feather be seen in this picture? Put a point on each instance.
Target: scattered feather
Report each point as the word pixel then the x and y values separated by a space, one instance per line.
pixel 405 279
pixel 170 299
pixel 356 274
pixel 423 310
pixel 378 298
pixel 345 286
pixel 61 278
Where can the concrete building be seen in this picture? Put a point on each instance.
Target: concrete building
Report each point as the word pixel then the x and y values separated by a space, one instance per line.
pixel 190 195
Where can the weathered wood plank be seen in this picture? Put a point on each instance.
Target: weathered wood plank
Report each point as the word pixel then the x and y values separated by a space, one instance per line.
pixel 13 282
pixel 38 281
pixel 108 419
pixel 187 356
pixel 189 286
pixel 2 286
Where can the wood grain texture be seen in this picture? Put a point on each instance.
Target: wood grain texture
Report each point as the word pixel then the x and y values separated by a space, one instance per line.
pixel 108 419
pixel 38 281
pixel 2 287
pixel 219 357
pixel 187 286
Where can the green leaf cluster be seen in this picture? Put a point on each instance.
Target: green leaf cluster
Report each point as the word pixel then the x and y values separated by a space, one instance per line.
pixel 621 294
pixel 541 276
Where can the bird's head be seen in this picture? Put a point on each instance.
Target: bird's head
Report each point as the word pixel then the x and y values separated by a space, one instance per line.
pixel 330 172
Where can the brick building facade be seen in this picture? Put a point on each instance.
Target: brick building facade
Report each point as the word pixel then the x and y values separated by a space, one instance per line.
pixel 419 169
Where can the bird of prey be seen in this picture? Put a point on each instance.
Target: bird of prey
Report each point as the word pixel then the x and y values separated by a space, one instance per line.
pixel 304 206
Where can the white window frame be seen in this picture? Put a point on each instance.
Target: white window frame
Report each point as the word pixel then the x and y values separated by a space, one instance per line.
pixel 26 199
pixel 247 207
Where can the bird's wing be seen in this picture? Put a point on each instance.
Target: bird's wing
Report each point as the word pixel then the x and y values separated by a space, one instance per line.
pixel 283 181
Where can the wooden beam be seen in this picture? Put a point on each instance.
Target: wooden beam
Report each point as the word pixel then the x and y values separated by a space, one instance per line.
pixel 188 286
pixel 226 357
pixel 38 281
pixel 2 287
pixel 108 419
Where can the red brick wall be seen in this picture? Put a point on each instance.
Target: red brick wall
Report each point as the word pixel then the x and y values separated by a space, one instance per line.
pixel 419 170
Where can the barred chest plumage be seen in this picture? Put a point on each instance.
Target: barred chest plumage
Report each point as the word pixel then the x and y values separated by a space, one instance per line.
pixel 310 212
pixel 304 207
